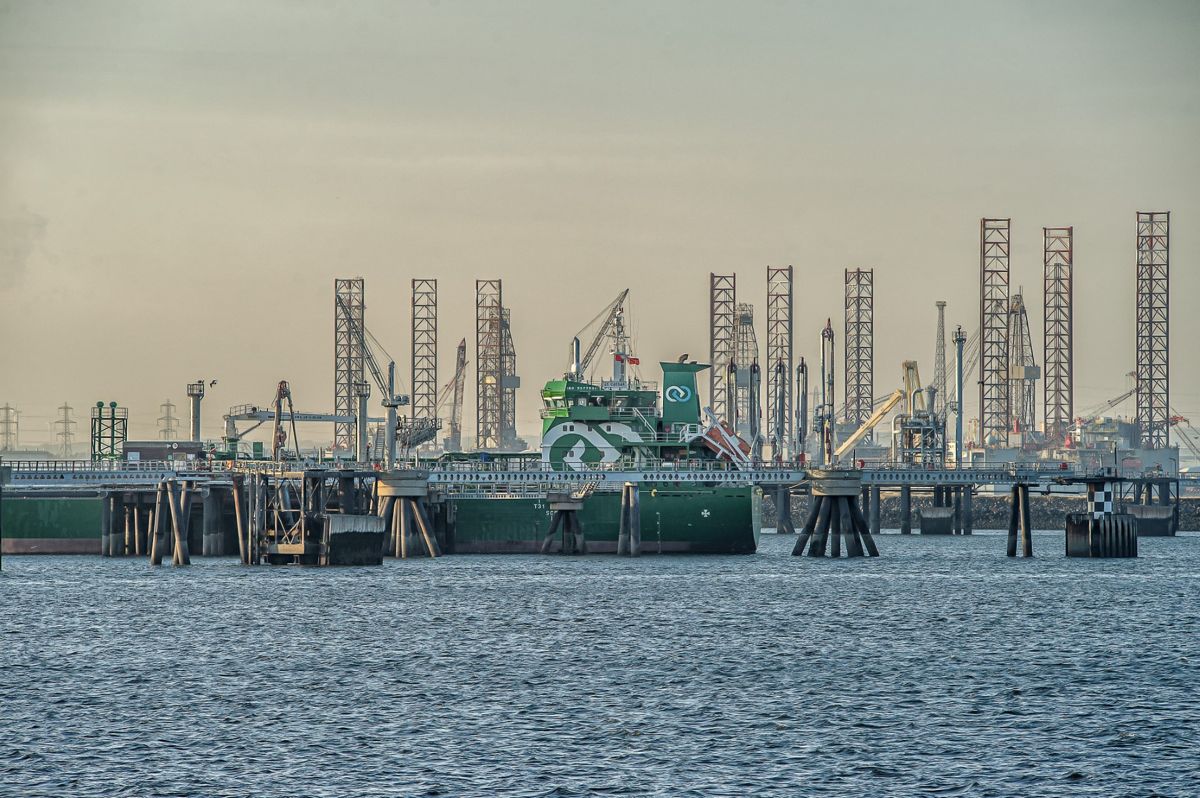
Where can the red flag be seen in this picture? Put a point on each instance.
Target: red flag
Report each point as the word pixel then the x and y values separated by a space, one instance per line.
pixel 633 361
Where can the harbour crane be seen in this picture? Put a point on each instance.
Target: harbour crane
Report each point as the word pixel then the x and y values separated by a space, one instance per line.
pixel 612 326
pixel 1185 432
pixel 888 404
pixel 452 392
pixel 1110 404
pixel 387 389
pixel 917 432
pixel 283 393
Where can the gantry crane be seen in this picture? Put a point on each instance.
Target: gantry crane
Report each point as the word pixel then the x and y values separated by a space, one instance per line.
pixel 452 392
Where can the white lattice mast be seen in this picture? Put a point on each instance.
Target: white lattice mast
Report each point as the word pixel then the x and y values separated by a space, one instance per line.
pixel 1153 295
pixel 860 345
pixel 349 373
pixel 939 361
pixel 993 326
pixel 424 348
pixel 780 393
pixel 722 323
pixel 746 375
pixel 1058 392
pixel 488 366
pixel 509 382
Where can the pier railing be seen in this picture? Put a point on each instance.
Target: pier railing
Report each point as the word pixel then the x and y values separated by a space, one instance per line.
pixel 521 473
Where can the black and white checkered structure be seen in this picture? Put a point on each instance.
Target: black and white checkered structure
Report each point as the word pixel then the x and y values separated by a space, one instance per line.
pixel 1101 499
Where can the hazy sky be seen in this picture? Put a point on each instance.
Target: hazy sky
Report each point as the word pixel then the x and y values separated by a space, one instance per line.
pixel 180 183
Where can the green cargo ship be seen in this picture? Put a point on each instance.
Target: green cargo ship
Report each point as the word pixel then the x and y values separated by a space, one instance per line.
pixel 51 524
pixel 614 424
pixel 618 423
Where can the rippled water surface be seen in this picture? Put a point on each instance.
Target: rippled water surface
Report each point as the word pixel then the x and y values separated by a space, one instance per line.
pixel 942 668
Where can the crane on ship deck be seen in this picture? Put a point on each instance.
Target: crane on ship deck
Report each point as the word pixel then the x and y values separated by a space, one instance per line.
pixel 612 325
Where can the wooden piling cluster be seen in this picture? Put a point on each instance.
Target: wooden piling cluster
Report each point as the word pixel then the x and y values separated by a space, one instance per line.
pixel 125 524
pixel 836 518
pixel 133 527
pixel 564 520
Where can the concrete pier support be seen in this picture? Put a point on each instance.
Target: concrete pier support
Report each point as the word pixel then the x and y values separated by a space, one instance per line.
pixel 633 510
pixel 957 510
pixel 1101 531
pixel 905 510
pixel 836 517
pixel 783 510
pixel 968 513
pixel 874 510
pixel 105 525
pixel 565 520
pixel 214 544
pixel 402 497
pixel 1019 521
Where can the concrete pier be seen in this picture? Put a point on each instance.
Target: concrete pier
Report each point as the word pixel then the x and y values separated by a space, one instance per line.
pixel 836 518
pixel 565 521
pixel 874 510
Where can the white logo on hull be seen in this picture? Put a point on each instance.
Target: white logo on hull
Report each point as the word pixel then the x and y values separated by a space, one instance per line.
pixel 677 393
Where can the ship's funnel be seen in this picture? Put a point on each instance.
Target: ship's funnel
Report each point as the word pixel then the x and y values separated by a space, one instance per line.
pixel 681 401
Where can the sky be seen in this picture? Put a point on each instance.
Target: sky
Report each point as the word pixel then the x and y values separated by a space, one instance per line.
pixel 181 183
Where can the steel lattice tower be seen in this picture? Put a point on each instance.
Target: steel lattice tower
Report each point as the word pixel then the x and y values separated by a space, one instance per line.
pixel 745 360
pixel 939 361
pixel 779 358
pixel 168 422
pixel 722 323
pixel 66 432
pixel 508 382
pixel 860 345
pixel 348 364
pixel 1153 294
pixel 993 326
pixel 488 365
pixel 1022 368
pixel 9 428
pixel 1058 397
pixel 424 348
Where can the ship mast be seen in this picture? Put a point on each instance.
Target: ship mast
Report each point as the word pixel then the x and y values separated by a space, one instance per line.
pixel 620 340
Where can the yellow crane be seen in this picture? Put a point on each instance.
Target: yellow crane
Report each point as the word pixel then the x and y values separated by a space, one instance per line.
pixel 913 396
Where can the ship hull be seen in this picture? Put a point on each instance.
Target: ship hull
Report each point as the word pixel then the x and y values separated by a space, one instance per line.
pixel 674 520
pixel 50 525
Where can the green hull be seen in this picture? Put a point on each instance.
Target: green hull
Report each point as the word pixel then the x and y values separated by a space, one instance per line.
pixel 674 519
pixel 51 525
